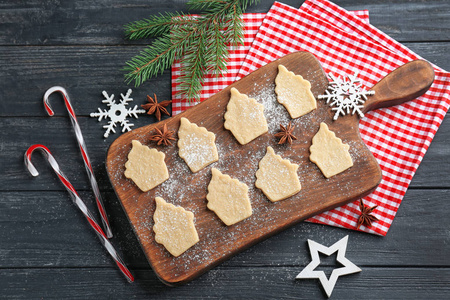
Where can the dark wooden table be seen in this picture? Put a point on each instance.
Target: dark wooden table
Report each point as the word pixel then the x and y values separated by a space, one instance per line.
pixel 47 250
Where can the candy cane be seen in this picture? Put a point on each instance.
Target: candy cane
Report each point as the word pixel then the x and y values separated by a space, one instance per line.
pixel 78 202
pixel 83 151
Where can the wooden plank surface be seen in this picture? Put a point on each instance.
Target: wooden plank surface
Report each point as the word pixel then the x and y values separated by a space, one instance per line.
pixel 49 222
pixel 100 22
pixel 48 251
pixel 273 283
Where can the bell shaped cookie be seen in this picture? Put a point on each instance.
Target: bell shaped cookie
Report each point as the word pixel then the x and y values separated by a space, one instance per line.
pixel 145 166
pixel 174 227
pixel 245 117
pixel 228 198
pixel 277 177
pixel 294 93
pixel 329 153
pixel 196 145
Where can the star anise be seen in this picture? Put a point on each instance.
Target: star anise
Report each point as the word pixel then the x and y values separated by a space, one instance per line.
pixel 156 108
pixel 163 136
pixel 366 218
pixel 285 134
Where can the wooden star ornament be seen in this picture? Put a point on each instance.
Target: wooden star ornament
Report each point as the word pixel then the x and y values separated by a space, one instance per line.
pixel 366 218
pixel 156 108
pixel 328 284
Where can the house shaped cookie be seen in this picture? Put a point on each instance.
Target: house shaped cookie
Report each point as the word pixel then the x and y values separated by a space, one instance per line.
pixel 294 93
pixel 196 145
pixel 228 198
pixel 329 153
pixel 245 117
pixel 277 177
pixel 174 227
pixel 145 166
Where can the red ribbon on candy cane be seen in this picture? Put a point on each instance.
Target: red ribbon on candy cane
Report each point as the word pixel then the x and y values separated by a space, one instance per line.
pixel 78 202
pixel 83 150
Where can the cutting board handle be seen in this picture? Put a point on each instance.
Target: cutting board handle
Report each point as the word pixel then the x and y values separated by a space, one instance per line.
pixel 405 83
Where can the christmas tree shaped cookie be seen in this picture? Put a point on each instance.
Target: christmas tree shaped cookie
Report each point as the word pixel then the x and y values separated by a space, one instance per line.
pixel 329 153
pixel 245 117
pixel 294 93
pixel 277 177
pixel 145 166
pixel 174 227
pixel 228 198
pixel 196 145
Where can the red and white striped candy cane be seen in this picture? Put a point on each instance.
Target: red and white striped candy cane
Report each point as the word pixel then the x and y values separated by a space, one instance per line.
pixel 83 151
pixel 78 202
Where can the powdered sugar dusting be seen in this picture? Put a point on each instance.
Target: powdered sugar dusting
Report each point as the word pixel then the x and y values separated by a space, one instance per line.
pixel 275 112
pixel 196 145
pixel 195 151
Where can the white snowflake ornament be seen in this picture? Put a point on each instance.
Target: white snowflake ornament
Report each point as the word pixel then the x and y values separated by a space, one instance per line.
pixel 118 112
pixel 346 95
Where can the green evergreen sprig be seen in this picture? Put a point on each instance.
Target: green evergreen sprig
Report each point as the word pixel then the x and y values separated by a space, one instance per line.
pixel 199 42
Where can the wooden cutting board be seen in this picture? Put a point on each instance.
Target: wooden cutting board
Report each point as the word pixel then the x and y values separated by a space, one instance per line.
pixel 218 241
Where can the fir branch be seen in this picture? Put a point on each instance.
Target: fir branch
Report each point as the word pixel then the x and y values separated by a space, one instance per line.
pixel 200 43
pixel 246 3
pixel 217 52
pixel 193 69
pixel 210 6
pixel 157 25
pixel 220 6
pixel 235 27
pixel 154 59
pixel 154 26
pixel 151 61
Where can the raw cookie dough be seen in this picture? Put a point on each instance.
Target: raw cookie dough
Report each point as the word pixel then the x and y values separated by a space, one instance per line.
pixel 196 145
pixel 245 117
pixel 277 177
pixel 294 93
pixel 145 166
pixel 174 227
pixel 228 198
pixel 329 153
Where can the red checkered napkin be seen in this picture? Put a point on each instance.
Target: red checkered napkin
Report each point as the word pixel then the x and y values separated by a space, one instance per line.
pixel 213 84
pixel 397 136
